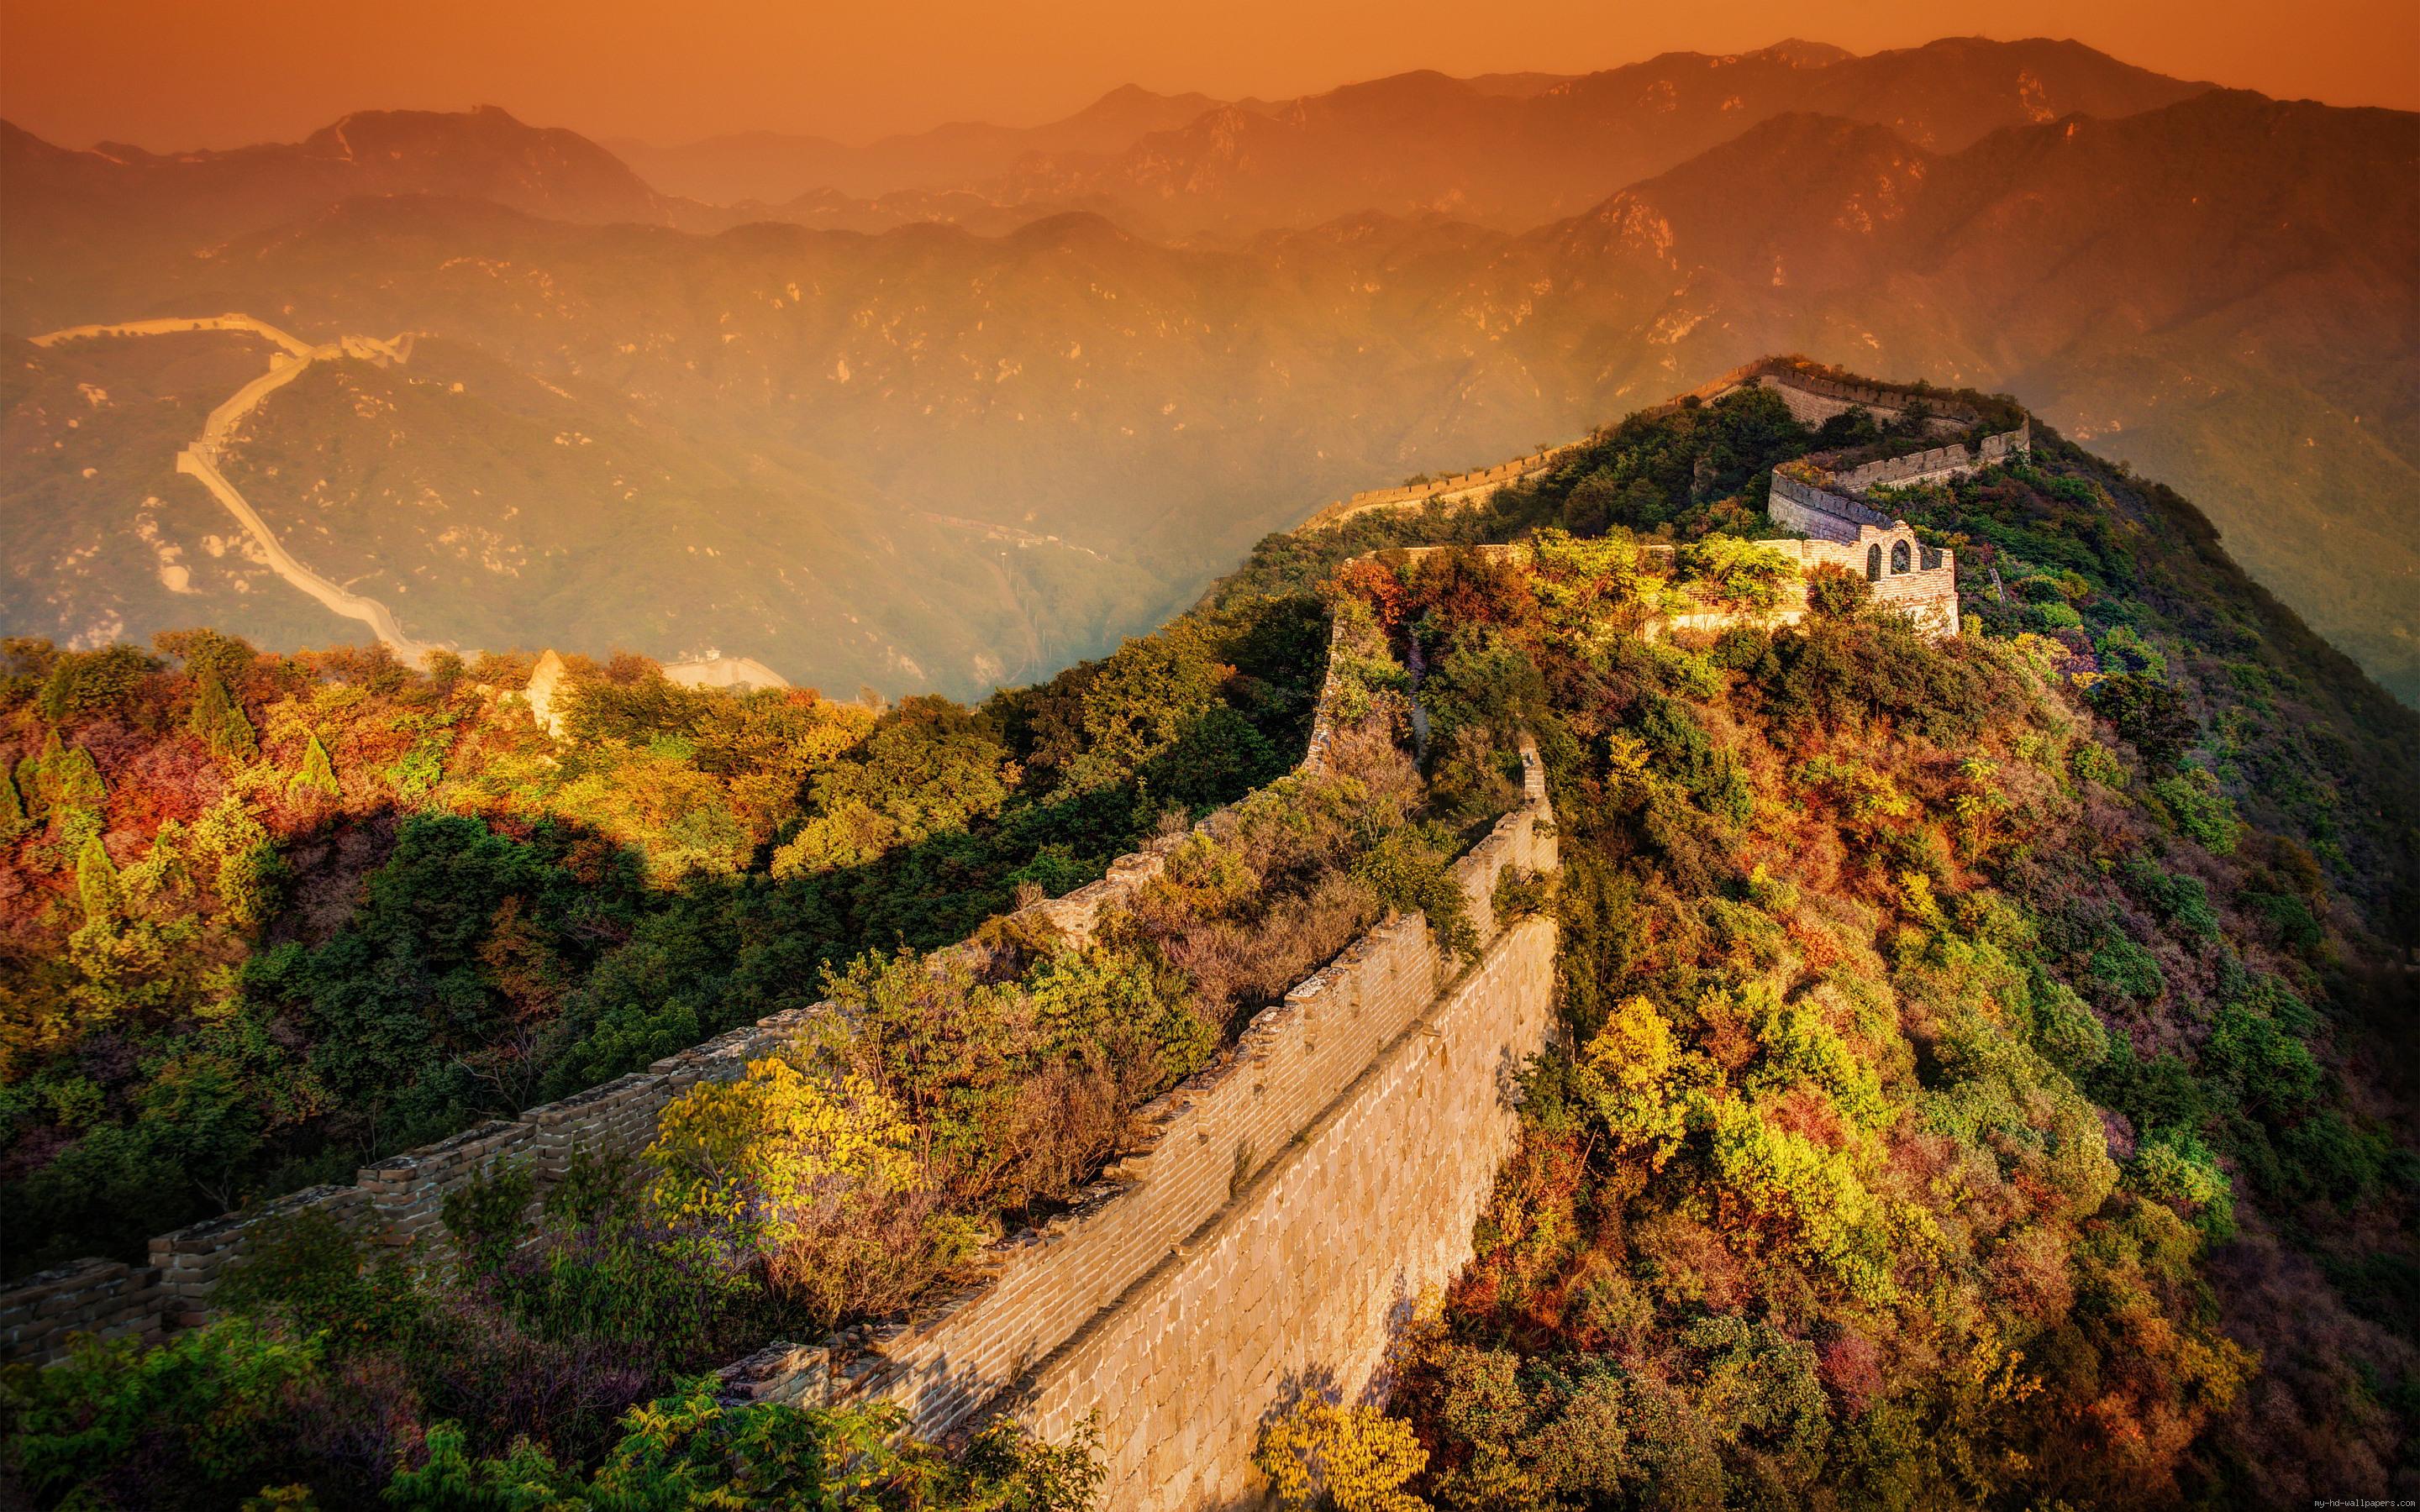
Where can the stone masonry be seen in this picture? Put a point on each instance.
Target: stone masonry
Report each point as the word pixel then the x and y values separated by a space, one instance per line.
pixel 1302 1282
pixel 398 1200
pixel 1362 1119
pixel 1377 1090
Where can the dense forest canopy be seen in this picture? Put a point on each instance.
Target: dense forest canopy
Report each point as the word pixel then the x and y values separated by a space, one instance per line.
pixel 1981 1082
pixel 267 917
pixel 1986 1078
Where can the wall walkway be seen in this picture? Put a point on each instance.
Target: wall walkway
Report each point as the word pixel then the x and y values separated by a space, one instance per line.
pixel 200 461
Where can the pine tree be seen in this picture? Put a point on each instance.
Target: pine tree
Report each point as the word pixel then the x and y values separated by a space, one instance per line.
pixel 219 719
pixel 318 774
pixel 65 788
pixel 97 882
pixel 74 779
pixel 29 787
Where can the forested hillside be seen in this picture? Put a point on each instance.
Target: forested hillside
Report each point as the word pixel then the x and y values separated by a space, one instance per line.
pixel 1987 1079
pixel 269 915
pixel 1984 1076
pixel 986 440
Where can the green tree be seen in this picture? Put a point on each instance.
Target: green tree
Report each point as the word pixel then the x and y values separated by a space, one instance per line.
pixel 85 684
pixel 317 775
pixel 220 722
pixel 96 882
pixel 199 1417
pixel 1835 592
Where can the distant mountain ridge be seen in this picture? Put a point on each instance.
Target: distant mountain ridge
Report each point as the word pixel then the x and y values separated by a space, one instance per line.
pixel 484 153
pixel 2217 287
pixel 1509 150
pixel 769 167
pixel 1425 142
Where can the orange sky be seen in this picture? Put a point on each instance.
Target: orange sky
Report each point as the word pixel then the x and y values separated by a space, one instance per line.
pixel 177 73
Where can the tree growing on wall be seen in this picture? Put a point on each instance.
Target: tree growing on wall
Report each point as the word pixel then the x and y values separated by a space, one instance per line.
pixel 1321 1454
pixel 1835 592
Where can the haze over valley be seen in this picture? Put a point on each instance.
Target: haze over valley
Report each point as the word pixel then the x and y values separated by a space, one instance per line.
pixel 954 409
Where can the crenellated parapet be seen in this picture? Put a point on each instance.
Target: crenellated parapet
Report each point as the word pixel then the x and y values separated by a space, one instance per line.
pixel 1846 528
pixel 1455 488
pixel 1938 464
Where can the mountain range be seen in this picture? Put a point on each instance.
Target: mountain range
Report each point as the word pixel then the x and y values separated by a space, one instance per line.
pixel 989 399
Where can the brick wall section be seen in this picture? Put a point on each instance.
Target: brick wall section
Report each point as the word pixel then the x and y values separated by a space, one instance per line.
pixel 1797 505
pixel 1938 463
pixel 1304 1281
pixel 399 1200
pixel 105 1299
pixel 1928 596
pixel 1812 397
pixel 1459 487
pixel 1205 1143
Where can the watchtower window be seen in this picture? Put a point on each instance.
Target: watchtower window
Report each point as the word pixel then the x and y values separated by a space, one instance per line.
pixel 1898 557
pixel 1873 564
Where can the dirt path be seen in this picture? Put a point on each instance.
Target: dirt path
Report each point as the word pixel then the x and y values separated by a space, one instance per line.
pixel 201 459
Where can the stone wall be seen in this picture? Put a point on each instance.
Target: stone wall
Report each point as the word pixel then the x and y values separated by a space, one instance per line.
pixel 1457 488
pixel 174 325
pixel 397 1201
pixel 1795 504
pixel 1267 1232
pixel 1939 463
pixel 1927 593
pixel 1814 396
pixel 1302 1282
pixel 1210 1162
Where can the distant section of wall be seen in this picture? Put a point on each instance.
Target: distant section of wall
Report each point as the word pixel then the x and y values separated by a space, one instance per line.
pixel 1812 394
pixel 176 325
pixel 1795 504
pixel 1460 488
pixel 1925 591
pixel 200 461
pixel 1938 464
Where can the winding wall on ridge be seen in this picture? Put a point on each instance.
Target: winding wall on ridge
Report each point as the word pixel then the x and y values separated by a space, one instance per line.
pixel 200 461
pixel 1267 1235
pixel 397 1201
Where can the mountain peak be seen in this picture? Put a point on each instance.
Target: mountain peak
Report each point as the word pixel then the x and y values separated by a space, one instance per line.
pixel 1801 53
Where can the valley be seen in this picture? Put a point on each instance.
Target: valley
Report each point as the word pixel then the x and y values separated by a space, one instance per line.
pixel 199 460
pixel 1072 416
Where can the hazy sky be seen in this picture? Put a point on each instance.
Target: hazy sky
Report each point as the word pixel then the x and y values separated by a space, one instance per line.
pixel 172 74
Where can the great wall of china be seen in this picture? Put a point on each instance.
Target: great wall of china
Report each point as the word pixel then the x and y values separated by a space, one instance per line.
pixel 1266 1235
pixel 201 459
pixel 1460 488
pixel 1842 525
pixel 1812 394
pixel 1268 1230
